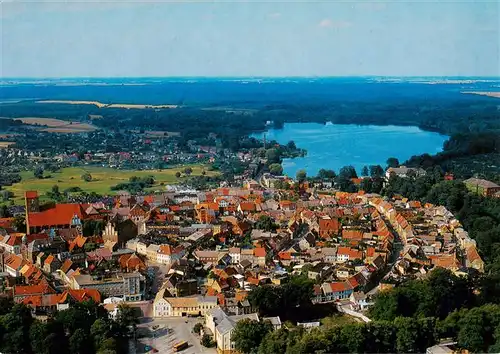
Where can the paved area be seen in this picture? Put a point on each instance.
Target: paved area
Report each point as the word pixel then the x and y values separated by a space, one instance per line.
pixel 170 331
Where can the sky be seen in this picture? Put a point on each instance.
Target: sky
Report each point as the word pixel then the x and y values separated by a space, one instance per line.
pixel 236 38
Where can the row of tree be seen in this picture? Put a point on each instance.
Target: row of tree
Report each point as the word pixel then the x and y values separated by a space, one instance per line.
pixel 477 329
pixel 84 328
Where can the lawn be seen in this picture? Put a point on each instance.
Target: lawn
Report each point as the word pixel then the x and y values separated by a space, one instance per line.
pixel 102 179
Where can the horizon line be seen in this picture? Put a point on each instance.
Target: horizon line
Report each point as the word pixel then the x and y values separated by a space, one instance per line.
pixel 243 77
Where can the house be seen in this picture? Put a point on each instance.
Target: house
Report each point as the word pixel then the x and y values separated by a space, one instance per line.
pixel 59 216
pixel 207 256
pixel 177 286
pixel 403 172
pixel 13 265
pixel 182 306
pixel 473 259
pixel 20 292
pixel 235 254
pixel 481 186
pixel 259 255
pixel 168 254
pixel 51 264
pixel 129 286
pixel 328 227
pixel 152 252
pixel 131 263
pixel 329 254
pixel 336 291
pixel 345 254
pixel 222 326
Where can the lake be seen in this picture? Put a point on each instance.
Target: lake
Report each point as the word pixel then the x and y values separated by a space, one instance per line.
pixel 333 146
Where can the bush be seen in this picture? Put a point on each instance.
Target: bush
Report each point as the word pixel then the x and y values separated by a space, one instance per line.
pixel 207 341
pixel 197 328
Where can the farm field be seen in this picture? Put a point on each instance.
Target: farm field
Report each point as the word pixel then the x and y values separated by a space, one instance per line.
pixel 103 179
pixel 57 125
pixel 112 105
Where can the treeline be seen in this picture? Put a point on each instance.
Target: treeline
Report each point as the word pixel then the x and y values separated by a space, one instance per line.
pixel 476 329
pixel 406 319
pixel 448 114
pixel 84 328
pixel 135 184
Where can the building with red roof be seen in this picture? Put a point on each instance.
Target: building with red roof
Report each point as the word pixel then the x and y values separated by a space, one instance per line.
pixel 328 227
pixel 59 216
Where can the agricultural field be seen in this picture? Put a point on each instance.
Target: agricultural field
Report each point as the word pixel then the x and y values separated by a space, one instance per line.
pixel 102 179
pixel 54 125
pixel 112 105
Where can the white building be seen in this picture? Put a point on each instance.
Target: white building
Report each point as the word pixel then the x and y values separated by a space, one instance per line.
pixel 182 306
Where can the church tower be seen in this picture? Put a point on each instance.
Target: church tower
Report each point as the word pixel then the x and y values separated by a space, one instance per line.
pixel 32 205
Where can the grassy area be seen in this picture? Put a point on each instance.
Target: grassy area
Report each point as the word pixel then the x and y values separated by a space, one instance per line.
pixel 102 179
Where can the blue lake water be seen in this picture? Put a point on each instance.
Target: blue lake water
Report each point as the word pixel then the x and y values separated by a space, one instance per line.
pixel 333 146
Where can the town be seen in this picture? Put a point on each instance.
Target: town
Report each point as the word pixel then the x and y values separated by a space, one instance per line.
pixel 190 263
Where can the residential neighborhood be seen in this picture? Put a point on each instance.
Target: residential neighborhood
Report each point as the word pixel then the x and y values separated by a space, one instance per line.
pixel 194 253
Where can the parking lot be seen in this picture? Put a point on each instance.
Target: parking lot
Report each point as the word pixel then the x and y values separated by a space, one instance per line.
pixel 169 332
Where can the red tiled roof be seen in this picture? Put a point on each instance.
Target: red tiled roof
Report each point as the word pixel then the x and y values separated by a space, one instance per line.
pixel 326 225
pixel 286 256
pixel 370 251
pixel 241 295
pixel 6 222
pixel 13 261
pixel 60 214
pixel 340 286
pixel 81 295
pixel 259 252
pixel 222 299
pixel 211 291
pixel 352 253
pixel 40 289
pixel 352 234
pixel 66 265
pixel 49 259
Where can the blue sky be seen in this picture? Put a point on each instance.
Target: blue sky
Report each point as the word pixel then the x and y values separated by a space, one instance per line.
pixel 187 38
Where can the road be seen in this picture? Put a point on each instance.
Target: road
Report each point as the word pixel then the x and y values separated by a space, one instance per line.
pixel 171 331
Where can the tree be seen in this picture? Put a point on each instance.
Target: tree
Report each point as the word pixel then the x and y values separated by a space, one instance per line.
pixel 79 342
pixel 248 334
pixel 207 341
pixel 4 211
pixel 38 173
pixel 301 176
pixel 127 317
pixel 188 170
pixel 272 156
pixel 376 171
pixel 266 223
pixel 326 174
pixel 364 171
pixel 87 177
pixel 178 174
pixel 406 339
pixel 392 162
pixel 16 327
pixel 276 169
pixel 20 223
pixel 100 331
pixel 291 145
pixel 274 342
pixel 197 328
pixel 348 172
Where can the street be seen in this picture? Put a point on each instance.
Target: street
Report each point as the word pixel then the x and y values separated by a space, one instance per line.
pixel 170 331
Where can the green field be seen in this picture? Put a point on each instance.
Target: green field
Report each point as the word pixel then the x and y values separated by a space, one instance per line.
pixel 102 179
